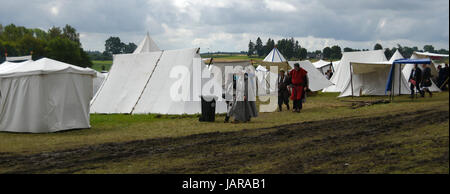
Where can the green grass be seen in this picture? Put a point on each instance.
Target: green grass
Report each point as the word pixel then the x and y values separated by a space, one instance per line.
pixel 120 128
pixel 97 65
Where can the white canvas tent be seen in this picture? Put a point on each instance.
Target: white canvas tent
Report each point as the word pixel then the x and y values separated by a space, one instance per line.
pixel 19 58
pixel 341 77
pixel 317 80
pixel 274 56
pixel 142 83
pixel 370 78
pixel 45 96
pixel 420 55
pixel 97 81
pixel 322 66
pixel 221 65
pixel 146 45
pixel 267 81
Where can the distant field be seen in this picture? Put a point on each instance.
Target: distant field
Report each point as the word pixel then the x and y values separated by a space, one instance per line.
pixel 97 65
pixel 329 136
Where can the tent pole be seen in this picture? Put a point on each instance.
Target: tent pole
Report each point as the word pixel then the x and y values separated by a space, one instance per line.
pixel 392 85
pixel 351 78
pixel 400 79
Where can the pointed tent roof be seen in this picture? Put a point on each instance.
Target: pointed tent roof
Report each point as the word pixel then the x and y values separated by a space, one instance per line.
pixel 147 45
pixel 274 56
pixel 395 56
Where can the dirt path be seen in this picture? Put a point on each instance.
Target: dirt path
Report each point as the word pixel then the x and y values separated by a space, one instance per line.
pixel 294 148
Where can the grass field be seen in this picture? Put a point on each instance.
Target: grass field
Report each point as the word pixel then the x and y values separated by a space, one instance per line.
pixel 97 65
pixel 329 136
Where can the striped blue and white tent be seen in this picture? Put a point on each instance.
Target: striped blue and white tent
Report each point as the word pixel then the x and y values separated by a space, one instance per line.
pixel 274 56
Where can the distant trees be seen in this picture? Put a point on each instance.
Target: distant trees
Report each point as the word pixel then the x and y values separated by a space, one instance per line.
pixel 378 47
pixel 251 48
pixel 326 52
pixel 290 48
pixel 336 52
pixel 259 47
pixel 429 48
pixel 113 45
pixel 62 45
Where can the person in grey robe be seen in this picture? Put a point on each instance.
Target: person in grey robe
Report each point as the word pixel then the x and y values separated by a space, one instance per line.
pixel 243 109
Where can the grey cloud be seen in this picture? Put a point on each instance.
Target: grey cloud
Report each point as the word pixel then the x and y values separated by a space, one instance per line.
pixel 344 20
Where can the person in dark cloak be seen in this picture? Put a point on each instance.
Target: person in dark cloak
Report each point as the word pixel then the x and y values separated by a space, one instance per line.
pixel 426 80
pixel 299 85
pixel 415 78
pixel 243 109
pixel 230 102
pixel 283 92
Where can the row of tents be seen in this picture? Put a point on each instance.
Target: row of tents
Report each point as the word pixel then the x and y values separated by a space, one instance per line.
pixel 367 73
pixel 48 95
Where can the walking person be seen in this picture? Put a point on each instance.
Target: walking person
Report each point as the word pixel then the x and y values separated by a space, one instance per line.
pixel 230 102
pixel 415 78
pixel 426 80
pixel 283 92
pixel 299 85
pixel 243 108
pixel 441 77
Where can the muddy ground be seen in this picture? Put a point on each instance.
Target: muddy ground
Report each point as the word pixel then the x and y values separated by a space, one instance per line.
pixel 350 145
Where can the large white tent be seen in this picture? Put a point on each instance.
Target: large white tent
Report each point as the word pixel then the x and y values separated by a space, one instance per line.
pixel 420 55
pixel 341 77
pixel 317 80
pixel 370 78
pixel 142 83
pixel 45 96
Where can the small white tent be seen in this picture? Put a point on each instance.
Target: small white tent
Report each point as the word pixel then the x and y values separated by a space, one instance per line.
pixel 317 80
pixel 274 56
pixel 146 45
pixel 341 77
pixel 45 96
pixel 420 55
pixel 322 66
pixel 97 81
pixel 370 78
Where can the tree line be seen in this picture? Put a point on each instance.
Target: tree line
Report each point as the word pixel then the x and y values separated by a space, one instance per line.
pixel 113 45
pixel 289 47
pixel 62 44
pixel 292 50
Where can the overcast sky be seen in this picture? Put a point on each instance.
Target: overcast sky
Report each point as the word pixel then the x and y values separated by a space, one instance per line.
pixel 228 25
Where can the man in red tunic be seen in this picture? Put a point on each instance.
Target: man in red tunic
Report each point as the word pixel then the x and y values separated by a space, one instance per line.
pixel 299 84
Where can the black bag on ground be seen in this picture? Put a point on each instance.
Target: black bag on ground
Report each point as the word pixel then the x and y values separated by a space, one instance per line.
pixel 208 109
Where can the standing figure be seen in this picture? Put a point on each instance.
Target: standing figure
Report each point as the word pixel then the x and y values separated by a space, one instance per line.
pixel 230 102
pixel 283 92
pixel 299 84
pixel 243 109
pixel 446 81
pixel 441 76
pixel 426 80
pixel 415 78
